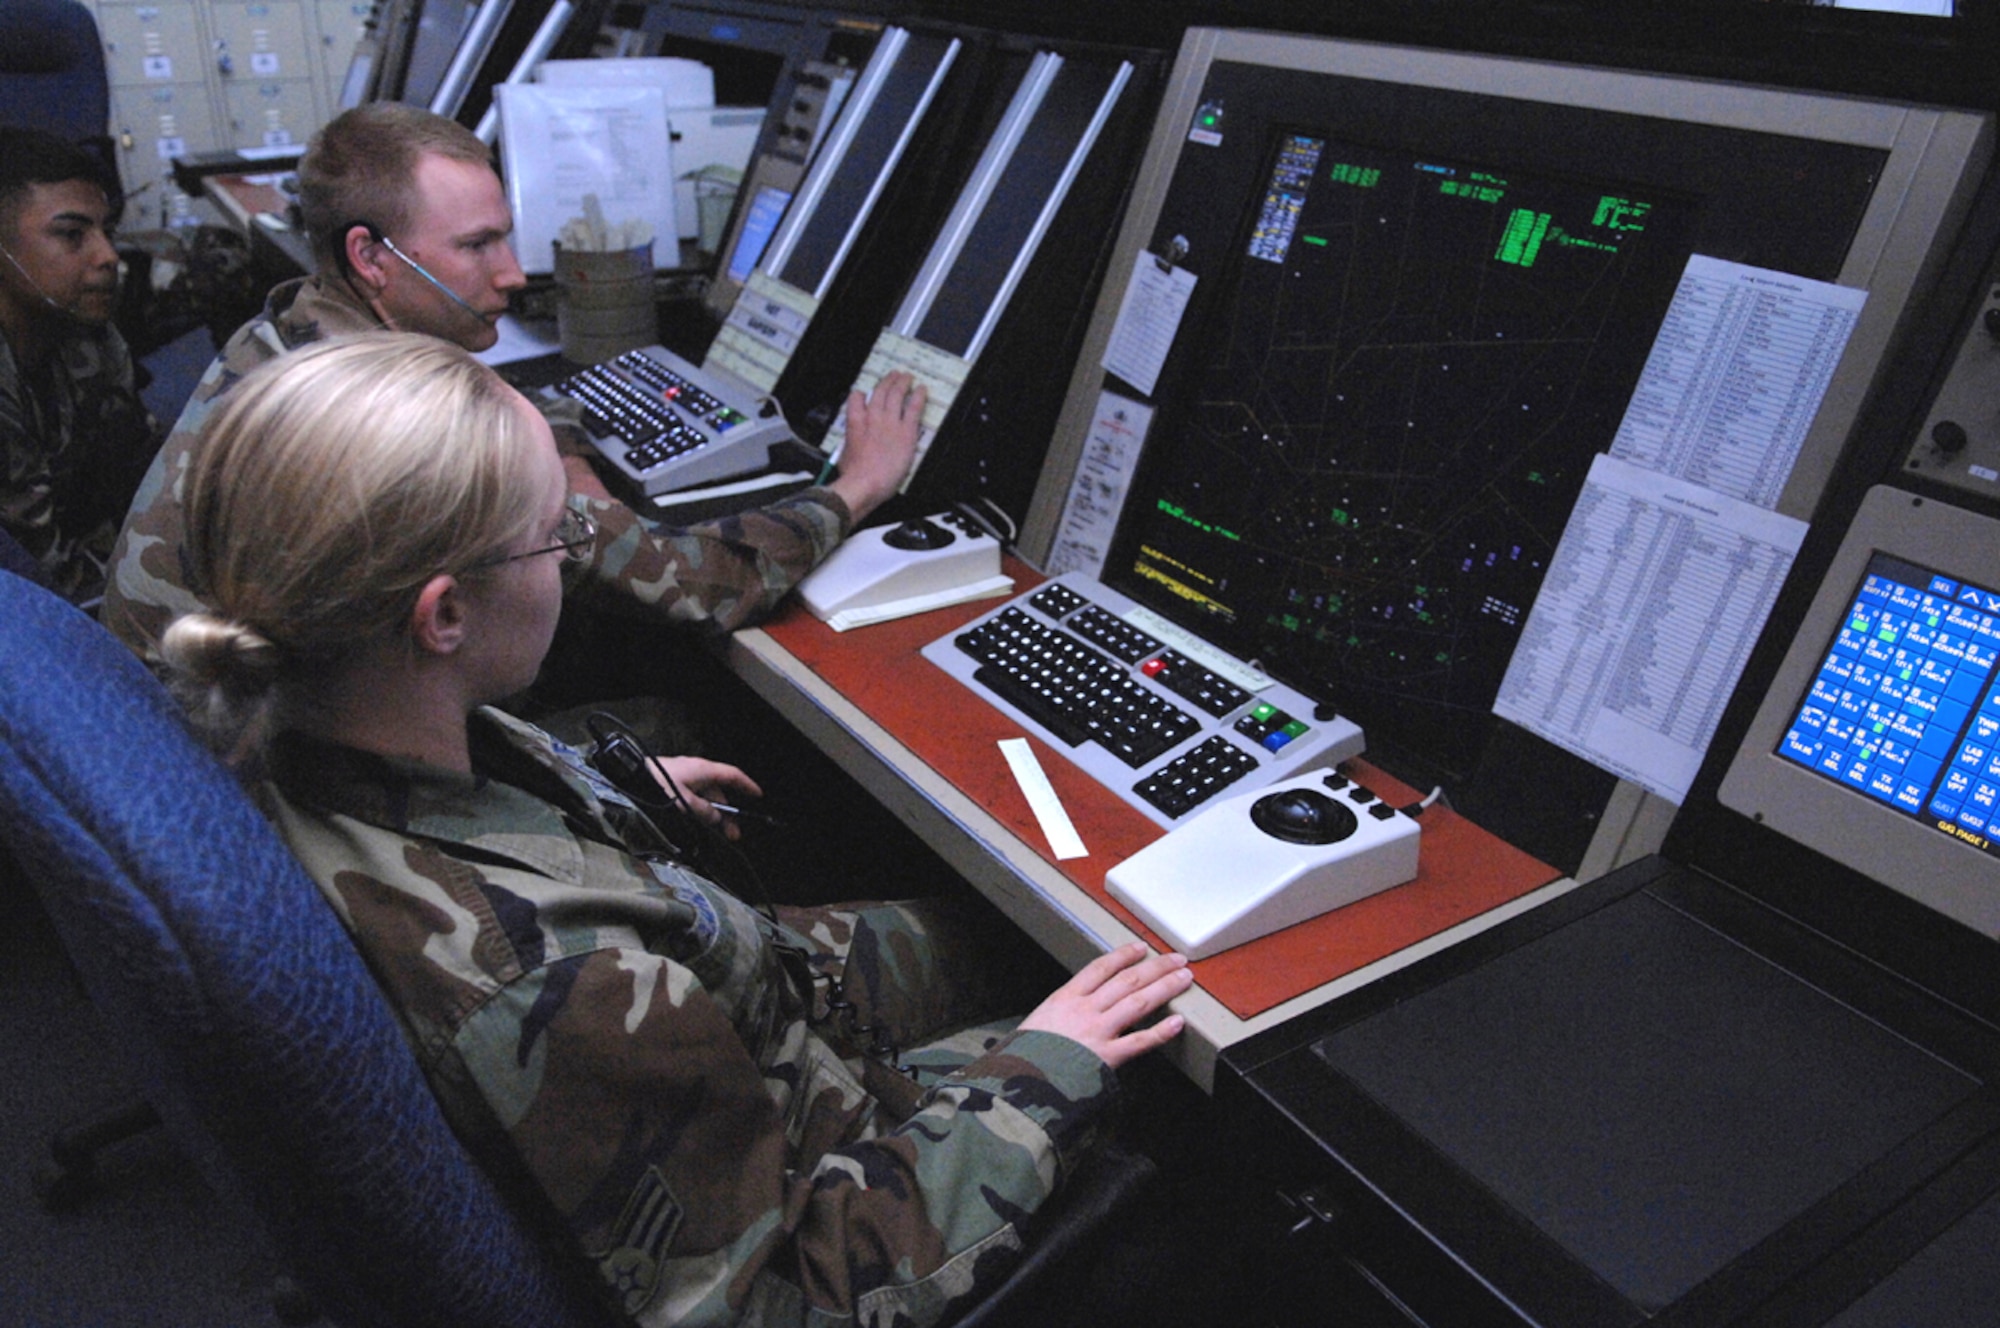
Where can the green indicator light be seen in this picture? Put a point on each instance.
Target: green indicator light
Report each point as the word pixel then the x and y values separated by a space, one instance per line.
pixel 1314 239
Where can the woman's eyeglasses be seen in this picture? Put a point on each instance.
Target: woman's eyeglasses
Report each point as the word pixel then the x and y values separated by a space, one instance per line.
pixel 575 534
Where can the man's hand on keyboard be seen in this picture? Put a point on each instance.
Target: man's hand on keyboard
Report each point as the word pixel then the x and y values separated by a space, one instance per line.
pixel 882 431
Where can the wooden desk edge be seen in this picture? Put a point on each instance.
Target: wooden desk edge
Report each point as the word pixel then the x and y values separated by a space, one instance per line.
pixel 218 191
pixel 1057 914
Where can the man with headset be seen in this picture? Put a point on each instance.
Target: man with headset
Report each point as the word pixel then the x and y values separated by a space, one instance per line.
pixel 409 227
pixel 74 435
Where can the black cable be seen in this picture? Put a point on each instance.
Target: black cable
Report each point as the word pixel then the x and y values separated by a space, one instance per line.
pixel 1420 806
pixel 622 758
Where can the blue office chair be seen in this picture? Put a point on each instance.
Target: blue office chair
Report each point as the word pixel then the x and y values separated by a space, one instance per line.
pixel 254 1026
pixel 52 73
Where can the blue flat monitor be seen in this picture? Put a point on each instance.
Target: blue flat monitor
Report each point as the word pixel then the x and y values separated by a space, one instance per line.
pixel 761 218
pixel 1878 743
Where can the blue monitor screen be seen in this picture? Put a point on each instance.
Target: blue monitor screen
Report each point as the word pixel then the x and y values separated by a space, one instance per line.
pixel 766 210
pixel 1904 707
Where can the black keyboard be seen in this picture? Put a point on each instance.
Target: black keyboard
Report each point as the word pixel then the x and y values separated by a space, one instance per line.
pixel 1161 728
pixel 666 424
pixel 1073 689
pixel 612 406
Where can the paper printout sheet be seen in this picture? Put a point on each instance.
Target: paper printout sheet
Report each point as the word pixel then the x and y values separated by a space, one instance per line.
pixel 1097 493
pixel 1657 592
pixel 1736 375
pixel 1672 557
pixel 560 143
pixel 1147 320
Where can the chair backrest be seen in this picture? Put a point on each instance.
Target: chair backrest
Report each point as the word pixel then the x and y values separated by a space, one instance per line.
pixel 255 1027
pixel 52 72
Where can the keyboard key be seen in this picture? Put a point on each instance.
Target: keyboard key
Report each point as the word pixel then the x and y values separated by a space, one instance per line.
pixel 1052 675
pixel 1114 634
pixel 1191 779
pixel 1183 677
pixel 1057 600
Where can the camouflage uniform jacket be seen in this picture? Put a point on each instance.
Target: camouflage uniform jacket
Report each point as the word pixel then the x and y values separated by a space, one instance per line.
pixel 71 454
pixel 642 1043
pixel 716 576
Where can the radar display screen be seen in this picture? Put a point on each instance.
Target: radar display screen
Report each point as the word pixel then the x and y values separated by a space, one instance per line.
pixel 1390 406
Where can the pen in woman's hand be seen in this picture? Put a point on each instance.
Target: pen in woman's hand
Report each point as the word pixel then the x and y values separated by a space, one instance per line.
pixel 741 814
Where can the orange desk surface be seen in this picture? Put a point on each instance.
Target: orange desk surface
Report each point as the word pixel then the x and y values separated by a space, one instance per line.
pixel 1464 870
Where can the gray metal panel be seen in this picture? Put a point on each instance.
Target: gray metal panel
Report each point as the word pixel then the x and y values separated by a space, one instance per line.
pixel 1902 853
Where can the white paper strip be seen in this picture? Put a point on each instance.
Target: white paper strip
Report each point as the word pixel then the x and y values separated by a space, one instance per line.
pixel 1048 809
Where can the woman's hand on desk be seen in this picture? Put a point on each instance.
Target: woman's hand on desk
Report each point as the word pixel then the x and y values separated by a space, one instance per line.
pixel 703 783
pixel 1112 993
pixel 882 430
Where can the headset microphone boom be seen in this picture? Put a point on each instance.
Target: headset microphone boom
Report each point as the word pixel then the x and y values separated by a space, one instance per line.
pixel 423 272
pixel 47 298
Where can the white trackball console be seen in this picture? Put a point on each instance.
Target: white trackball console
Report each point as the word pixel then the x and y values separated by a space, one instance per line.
pixel 1266 859
pixel 884 565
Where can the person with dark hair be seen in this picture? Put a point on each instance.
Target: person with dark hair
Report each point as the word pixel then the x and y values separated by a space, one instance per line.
pixel 410 231
pixel 74 436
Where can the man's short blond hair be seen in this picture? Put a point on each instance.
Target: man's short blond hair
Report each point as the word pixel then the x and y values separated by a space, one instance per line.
pixel 362 167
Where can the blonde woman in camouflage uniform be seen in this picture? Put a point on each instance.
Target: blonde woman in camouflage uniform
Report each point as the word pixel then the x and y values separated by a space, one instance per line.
pixel 670 1064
